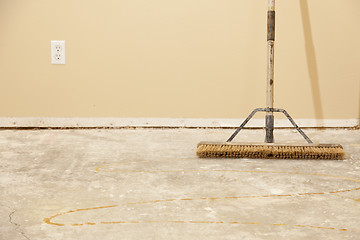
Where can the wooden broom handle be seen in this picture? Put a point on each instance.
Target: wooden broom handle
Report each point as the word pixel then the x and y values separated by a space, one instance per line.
pixel 269 120
pixel 270 41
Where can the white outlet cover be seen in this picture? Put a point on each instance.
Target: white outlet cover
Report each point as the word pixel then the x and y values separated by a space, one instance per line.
pixel 57 51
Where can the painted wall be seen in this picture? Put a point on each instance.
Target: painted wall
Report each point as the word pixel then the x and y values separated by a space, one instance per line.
pixel 188 58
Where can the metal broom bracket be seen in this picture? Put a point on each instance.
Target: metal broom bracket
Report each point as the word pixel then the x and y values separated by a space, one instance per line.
pixel 269 110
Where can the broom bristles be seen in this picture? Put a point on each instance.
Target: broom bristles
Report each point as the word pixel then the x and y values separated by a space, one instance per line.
pixel 269 151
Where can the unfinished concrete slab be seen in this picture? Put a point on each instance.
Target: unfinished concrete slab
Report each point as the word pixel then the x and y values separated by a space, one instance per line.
pixel 148 184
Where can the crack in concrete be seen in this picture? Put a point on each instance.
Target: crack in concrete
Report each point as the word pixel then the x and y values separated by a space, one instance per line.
pixel 17 226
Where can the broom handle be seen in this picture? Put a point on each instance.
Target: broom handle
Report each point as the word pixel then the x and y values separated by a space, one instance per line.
pixel 269 138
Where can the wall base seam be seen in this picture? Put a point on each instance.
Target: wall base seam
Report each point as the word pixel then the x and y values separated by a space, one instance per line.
pixel 52 122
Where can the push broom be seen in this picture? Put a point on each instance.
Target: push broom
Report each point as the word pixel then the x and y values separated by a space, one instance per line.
pixel 269 149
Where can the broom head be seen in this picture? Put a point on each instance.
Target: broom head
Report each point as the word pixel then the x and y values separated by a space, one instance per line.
pixel 269 150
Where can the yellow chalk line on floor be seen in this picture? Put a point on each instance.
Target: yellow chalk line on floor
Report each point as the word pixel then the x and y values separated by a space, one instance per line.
pixel 49 220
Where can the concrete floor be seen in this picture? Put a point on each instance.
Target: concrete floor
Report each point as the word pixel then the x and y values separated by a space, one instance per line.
pixel 148 184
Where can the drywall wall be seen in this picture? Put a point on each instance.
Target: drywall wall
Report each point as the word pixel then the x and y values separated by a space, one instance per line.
pixel 180 59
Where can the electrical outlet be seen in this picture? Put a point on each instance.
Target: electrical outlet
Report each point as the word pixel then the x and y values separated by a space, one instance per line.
pixel 57 52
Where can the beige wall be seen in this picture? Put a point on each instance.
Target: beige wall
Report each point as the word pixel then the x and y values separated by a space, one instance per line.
pixel 183 58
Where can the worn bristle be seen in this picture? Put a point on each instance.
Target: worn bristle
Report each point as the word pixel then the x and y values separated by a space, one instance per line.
pixel 270 151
